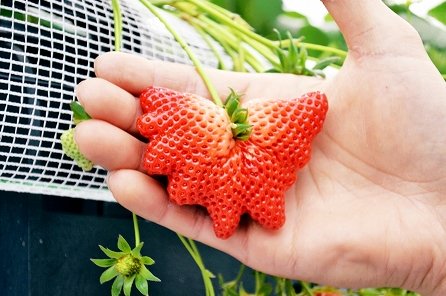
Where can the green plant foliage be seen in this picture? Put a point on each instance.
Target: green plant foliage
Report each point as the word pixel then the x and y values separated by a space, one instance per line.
pixel 439 12
pixel 260 14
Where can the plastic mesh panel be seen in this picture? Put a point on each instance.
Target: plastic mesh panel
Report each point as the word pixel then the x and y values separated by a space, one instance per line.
pixel 46 49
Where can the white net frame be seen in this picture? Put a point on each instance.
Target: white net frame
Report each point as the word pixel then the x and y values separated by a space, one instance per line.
pixel 46 49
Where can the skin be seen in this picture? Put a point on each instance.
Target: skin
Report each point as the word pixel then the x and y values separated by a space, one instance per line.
pixel 370 207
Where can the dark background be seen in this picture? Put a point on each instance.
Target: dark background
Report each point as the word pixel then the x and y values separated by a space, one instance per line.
pixel 46 243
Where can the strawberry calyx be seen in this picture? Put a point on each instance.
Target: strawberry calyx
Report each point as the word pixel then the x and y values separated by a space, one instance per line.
pixel 241 129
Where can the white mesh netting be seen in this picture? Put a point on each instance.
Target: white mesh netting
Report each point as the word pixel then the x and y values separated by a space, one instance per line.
pixel 46 48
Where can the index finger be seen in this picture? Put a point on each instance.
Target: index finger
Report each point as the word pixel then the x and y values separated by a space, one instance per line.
pixel 135 73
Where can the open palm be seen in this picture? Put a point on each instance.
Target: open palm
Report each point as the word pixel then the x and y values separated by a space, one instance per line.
pixel 369 208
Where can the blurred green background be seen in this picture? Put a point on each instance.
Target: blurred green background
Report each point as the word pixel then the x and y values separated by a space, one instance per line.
pixel 265 15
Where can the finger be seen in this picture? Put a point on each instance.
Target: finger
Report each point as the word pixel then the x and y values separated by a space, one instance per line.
pixel 145 197
pixel 108 146
pixel 368 24
pixel 134 73
pixel 108 102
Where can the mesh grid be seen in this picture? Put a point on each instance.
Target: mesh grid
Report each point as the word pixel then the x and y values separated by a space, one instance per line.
pixel 46 48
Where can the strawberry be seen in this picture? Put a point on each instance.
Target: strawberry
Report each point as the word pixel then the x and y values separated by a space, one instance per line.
pixel 71 149
pixel 229 160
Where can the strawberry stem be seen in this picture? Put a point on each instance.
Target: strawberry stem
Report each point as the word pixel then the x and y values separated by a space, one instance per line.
pixel 136 229
pixel 191 247
pixel 213 92
pixel 117 16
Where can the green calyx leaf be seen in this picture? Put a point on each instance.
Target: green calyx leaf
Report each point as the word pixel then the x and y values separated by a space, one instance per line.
pixel 117 285
pixel 293 60
pixel 145 273
pixel 112 254
pixel 104 262
pixel 128 283
pixel 142 285
pixel 79 113
pixel 241 129
pixel 137 250
pixel 108 274
pixel 123 245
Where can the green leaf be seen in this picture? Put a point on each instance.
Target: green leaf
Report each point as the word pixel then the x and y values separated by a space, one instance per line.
pixel 232 103
pixel 147 260
pixel 142 285
pixel 110 253
pixel 123 245
pixel 117 285
pixel 145 273
pixel 137 250
pixel 128 283
pixel 104 262
pixel 108 275
pixel 79 113
pixel 439 12
pixel 322 64
pixel 240 116
pixel 294 14
pixel 273 70
pixel 303 54
pixel 209 274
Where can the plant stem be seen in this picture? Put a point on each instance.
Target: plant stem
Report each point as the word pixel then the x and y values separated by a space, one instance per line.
pixel 117 16
pixel 136 229
pixel 191 247
pixel 224 19
pixel 206 38
pixel 213 92
pixel 306 288
pixel 224 37
pixel 318 47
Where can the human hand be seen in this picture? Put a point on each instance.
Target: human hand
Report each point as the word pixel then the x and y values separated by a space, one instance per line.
pixel 368 208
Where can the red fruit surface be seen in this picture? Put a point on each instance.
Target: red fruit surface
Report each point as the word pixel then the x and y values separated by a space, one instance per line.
pixel 191 142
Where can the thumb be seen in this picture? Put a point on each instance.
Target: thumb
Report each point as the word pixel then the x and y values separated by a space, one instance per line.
pixel 369 25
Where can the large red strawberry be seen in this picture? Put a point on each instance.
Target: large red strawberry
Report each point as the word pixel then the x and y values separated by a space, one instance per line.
pixel 225 159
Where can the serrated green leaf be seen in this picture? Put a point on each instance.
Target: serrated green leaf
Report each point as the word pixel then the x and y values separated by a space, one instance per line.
pixel 104 262
pixel 117 285
pixel 110 253
pixel 142 285
pixel 79 113
pixel 145 273
pixel 147 260
pixel 123 245
pixel 128 283
pixel 137 250
pixel 108 275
